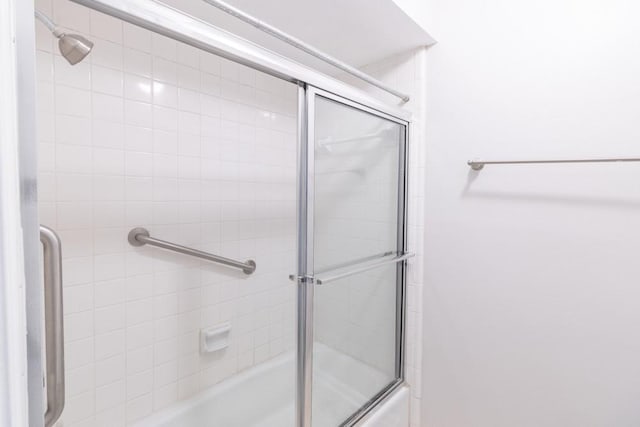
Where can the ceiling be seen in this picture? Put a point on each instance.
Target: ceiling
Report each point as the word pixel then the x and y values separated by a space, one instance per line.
pixel 358 32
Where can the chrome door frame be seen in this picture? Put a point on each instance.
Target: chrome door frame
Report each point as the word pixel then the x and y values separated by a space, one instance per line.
pixel 306 282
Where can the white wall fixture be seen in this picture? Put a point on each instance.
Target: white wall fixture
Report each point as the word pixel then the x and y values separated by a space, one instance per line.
pixel 215 338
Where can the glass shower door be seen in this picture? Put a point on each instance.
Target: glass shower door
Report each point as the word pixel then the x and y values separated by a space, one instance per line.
pixel 358 252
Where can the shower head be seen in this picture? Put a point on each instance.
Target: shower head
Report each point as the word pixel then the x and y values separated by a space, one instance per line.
pixel 73 47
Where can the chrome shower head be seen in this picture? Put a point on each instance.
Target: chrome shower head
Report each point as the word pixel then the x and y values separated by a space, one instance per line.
pixel 73 47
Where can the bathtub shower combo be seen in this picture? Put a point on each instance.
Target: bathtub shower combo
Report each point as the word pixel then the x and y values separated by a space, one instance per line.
pixel 230 226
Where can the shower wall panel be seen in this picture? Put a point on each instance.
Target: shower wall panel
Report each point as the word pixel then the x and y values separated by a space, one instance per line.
pixel 202 152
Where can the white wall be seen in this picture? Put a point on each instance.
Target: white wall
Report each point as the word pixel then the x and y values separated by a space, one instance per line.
pixel 531 299
pixel 418 10
pixel 201 151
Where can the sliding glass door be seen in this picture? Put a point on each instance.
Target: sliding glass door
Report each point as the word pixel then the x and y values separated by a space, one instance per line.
pixel 355 253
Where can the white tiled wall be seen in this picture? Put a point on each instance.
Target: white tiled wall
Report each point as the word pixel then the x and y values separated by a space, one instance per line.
pixel 201 151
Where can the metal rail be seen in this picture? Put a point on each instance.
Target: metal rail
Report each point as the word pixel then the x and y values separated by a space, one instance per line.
pixel 361 267
pixel 305 47
pixel 46 21
pixel 140 236
pixel 53 324
pixel 477 165
pixel 343 265
pixel 175 24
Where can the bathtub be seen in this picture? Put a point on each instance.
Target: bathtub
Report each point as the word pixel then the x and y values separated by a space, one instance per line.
pixel 263 396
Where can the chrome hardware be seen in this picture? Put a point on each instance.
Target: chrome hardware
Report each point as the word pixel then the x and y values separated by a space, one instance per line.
pixel 140 236
pixel 54 324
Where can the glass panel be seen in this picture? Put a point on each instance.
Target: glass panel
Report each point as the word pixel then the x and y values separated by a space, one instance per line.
pixel 198 166
pixel 354 343
pixel 357 159
pixel 356 184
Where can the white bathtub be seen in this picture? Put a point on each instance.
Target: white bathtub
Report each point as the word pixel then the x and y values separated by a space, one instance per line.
pixel 264 397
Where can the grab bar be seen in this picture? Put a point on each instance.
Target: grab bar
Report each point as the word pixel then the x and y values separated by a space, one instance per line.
pixel 53 324
pixel 140 236
pixel 362 267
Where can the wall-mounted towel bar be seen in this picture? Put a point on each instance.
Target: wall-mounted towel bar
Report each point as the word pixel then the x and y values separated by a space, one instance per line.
pixel 140 236
pixel 358 266
pixel 477 165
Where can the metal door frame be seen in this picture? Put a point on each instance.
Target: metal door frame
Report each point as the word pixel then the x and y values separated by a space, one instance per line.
pixel 307 96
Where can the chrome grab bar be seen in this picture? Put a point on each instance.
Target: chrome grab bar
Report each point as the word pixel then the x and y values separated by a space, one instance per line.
pixel 140 236
pixel 360 267
pixel 53 324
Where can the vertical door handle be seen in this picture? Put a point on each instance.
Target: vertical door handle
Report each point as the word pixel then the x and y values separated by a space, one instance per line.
pixel 54 326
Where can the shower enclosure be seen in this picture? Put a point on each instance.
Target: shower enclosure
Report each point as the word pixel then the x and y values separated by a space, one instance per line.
pixel 232 228
pixel 351 255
